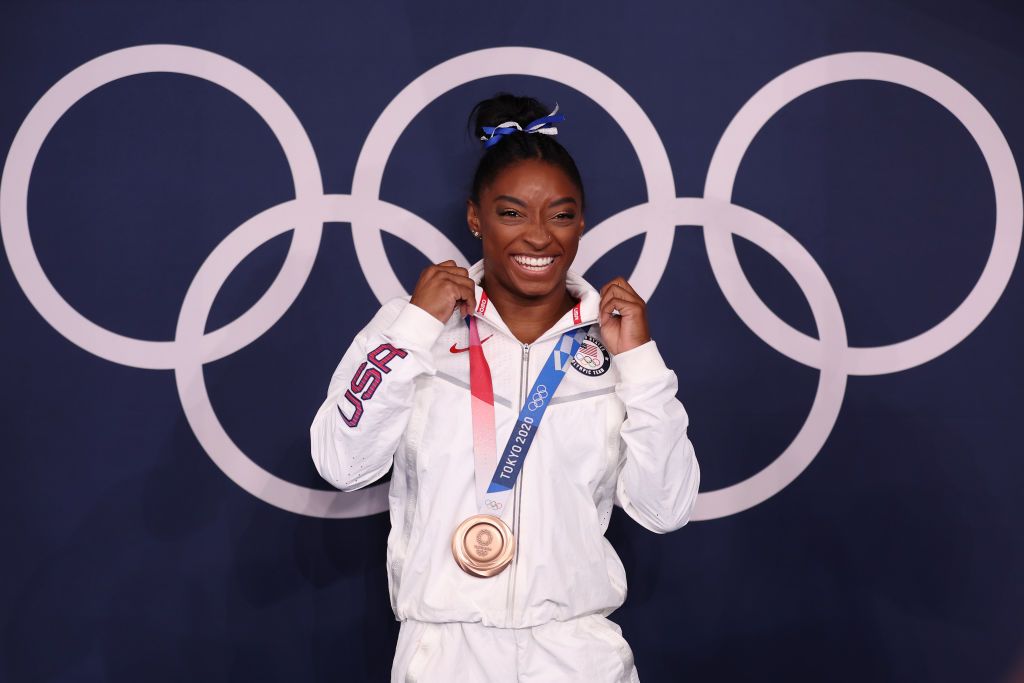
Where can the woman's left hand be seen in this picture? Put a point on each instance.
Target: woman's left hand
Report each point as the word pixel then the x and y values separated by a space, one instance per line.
pixel 628 329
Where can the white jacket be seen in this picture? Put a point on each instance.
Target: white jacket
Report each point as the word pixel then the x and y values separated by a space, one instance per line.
pixel 614 435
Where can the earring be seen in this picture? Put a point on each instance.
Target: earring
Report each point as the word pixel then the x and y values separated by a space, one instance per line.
pixel 476 234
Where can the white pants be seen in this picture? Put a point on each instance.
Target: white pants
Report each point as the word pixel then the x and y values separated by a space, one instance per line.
pixel 589 649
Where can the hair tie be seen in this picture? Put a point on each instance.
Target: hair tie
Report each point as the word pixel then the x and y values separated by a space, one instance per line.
pixel 542 125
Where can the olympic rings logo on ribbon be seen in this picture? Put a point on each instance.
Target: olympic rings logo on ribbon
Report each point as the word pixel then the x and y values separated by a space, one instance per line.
pixel 539 398
pixel 657 219
pixel 493 504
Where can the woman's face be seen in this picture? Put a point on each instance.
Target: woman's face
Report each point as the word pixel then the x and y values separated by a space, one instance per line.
pixel 531 221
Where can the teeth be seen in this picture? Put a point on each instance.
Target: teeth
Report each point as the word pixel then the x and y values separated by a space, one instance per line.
pixel 534 262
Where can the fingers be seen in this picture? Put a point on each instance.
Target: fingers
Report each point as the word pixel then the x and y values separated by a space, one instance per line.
pixel 443 287
pixel 625 307
pixel 624 289
pixel 457 290
pixel 618 297
pixel 629 328
pixel 461 286
pixel 444 271
pixel 619 291
pixel 445 267
pixel 450 267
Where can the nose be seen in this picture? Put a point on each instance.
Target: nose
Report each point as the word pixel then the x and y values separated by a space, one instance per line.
pixel 537 234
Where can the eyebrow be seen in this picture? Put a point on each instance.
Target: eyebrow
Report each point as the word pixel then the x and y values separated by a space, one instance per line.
pixel 520 202
pixel 508 198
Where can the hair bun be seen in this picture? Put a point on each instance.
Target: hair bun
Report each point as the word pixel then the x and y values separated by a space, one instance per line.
pixel 505 107
pixel 510 147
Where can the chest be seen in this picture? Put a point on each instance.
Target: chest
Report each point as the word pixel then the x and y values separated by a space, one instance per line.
pixel 576 441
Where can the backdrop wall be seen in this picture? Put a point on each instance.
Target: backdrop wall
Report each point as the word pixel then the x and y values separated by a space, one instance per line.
pixel 201 204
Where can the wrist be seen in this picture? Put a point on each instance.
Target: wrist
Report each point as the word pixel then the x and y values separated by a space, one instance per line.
pixel 415 327
pixel 439 316
pixel 641 363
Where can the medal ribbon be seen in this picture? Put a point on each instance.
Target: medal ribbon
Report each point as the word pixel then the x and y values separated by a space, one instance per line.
pixel 482 409
pixel 492 495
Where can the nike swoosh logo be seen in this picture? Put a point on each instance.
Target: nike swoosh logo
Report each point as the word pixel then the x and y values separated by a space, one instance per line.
pixel 456 349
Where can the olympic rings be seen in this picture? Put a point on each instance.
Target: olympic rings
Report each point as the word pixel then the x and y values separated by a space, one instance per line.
pixel 192 347
pixel 539 398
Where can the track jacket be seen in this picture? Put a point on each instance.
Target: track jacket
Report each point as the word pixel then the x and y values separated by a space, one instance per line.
pixel 613 433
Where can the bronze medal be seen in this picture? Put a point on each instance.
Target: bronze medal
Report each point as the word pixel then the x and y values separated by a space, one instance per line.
pixel 483 545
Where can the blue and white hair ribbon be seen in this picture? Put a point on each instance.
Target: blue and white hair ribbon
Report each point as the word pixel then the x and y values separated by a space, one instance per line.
pixel 542 125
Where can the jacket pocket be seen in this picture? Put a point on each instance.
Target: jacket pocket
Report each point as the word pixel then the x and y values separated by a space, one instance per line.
pixel 422 639
pixel 610 634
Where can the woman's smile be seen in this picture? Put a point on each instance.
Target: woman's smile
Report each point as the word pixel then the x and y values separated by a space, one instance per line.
pixel 540 265
pixel 530 219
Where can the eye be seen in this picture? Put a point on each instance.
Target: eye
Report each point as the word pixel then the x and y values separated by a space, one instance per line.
pixel 511 213
pixel 565 216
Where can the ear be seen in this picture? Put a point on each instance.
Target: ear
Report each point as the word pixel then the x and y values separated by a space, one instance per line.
pixel 583 225
pixel 472 216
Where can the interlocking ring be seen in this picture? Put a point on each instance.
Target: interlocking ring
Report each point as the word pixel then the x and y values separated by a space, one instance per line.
pixel 192 346
pixel 493 504
pixel 538 399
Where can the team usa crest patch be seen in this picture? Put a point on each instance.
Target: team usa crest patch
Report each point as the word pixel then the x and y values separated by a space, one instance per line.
pixel 592 358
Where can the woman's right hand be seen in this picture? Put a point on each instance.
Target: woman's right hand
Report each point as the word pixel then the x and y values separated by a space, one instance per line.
pixel 443 287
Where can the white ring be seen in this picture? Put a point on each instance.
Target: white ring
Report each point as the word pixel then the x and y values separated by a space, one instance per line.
pixel 189 61
pixel 192 348
pixel 717 216
pixel 924 79
pixel 195 309
pixel 524 61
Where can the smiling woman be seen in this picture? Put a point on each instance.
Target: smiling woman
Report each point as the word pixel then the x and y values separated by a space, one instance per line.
pixel 530 222
pixel 522 588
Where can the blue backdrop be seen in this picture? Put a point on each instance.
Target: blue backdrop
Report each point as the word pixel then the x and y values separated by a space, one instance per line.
pixel 134 551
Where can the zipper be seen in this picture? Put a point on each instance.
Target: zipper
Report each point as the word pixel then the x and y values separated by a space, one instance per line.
pixel 517 494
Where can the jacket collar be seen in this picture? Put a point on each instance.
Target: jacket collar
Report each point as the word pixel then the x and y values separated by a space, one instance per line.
pixel 583 314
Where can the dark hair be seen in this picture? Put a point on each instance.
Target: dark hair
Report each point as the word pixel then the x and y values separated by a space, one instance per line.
pixel 517 146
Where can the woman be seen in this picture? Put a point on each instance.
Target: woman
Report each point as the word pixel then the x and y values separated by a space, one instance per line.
pixel 500 571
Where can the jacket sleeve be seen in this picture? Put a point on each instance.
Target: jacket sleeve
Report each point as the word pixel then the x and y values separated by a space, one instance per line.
pixel 659 476
pixel 355 433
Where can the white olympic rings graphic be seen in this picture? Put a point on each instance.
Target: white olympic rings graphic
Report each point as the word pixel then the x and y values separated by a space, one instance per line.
pixel 657 219
pixel 539 397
